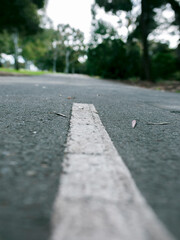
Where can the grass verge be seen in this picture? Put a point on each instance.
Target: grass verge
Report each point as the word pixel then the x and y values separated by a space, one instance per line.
pixel 21 71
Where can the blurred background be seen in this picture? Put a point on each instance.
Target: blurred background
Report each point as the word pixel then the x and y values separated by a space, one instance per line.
pixel 115 39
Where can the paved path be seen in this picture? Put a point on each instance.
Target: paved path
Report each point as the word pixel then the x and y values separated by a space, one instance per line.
pixel 33 138
pixel 97 197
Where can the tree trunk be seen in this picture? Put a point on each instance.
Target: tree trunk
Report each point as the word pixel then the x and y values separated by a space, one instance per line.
pixel 67 61
pixel 144 34
pixel 54 60
pixel 178 54
pixel 15 40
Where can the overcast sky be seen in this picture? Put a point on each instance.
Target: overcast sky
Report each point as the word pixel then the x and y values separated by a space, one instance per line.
pixel 77 13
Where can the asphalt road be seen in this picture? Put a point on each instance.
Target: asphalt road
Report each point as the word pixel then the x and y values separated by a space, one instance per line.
pixel 33 138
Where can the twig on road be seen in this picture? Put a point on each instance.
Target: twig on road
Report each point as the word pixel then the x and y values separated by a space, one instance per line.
pixel 160 123
pixel 59 114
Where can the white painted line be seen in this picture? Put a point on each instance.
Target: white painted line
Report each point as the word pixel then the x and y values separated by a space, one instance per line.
pixel 97 198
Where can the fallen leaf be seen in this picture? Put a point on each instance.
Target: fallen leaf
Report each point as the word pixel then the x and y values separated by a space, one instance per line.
pixel 70 97
pixel 134 123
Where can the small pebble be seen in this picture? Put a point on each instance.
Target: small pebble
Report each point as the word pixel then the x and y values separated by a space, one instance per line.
pixel 30 173
pixel 44 165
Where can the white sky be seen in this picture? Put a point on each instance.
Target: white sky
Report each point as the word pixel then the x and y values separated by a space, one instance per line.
pixel 77 13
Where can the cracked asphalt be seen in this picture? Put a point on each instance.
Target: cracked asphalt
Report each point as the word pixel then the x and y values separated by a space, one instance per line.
pixel 33 138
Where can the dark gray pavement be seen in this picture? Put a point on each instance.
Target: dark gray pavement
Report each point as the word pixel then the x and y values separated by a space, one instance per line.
pixel 32 140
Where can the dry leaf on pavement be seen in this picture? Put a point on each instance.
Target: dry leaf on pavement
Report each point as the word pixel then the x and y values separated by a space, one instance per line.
pixel 134 123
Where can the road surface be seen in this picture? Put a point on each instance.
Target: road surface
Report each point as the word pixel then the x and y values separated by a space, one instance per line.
pixel 35 115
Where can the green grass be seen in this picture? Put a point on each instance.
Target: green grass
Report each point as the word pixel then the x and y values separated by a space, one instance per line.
pixel 22 71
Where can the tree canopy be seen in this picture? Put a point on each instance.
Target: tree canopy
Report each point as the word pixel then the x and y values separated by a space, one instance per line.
pixel 115 5
pixel 21 16
pixel 52 46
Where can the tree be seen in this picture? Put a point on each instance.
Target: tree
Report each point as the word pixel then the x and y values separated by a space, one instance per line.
pixel 35 48
pixel 6 44
pixel 133 54
pixel 72 41
pixel 176 8
pixel 146 15
pixel 102 30
pixel 145 22
pixel 108 56
pixel 20 17
pixel 57 50
pixel 115 5
pixel 108 59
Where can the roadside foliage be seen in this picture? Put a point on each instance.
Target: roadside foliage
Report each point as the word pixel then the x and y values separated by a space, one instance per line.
pixel 27 33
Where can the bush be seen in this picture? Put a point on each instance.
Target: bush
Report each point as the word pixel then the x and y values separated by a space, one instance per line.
pixel 113 59
pixel 164 61
pixel 163 65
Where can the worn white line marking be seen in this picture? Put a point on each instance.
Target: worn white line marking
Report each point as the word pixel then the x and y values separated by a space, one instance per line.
pixel 97 198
